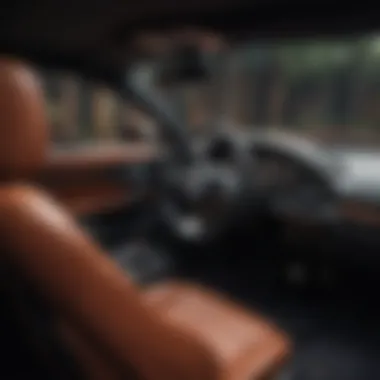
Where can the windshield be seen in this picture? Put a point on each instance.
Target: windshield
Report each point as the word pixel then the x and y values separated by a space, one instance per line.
pixel 326 89
pixel 317 88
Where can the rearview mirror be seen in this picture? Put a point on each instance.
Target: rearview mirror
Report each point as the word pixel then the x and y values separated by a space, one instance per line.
pixel 184 65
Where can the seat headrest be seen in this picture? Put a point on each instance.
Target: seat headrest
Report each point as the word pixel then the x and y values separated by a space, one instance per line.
pixel 23 122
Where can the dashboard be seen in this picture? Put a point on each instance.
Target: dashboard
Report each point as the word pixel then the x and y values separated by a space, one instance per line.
pixel 326 200
pixel 320 197
pixel 305 180
pixel 291 175
pixel 276 170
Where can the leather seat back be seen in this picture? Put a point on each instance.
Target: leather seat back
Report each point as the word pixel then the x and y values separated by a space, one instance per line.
pixel 104 316
pixel 23 124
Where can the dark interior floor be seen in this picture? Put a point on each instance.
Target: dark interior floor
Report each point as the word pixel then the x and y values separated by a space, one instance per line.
pixel 334 324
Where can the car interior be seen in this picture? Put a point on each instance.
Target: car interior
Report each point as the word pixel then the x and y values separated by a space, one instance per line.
pixel 160 250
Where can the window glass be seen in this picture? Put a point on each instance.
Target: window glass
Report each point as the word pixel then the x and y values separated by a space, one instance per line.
pixel 83 112
pixel 320 87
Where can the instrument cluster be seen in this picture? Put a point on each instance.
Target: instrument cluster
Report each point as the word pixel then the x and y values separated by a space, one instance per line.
pixel 294 190
pixel 284 174
pixel 274 171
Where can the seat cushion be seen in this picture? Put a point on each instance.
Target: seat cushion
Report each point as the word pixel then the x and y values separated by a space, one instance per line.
pixel 245 345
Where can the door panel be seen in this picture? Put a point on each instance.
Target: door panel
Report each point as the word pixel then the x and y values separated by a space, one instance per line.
pixel 94 180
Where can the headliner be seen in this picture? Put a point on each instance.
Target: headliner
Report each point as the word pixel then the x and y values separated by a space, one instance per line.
pixel 95 36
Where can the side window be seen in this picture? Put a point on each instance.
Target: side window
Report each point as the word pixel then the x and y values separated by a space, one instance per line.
pixel 81 112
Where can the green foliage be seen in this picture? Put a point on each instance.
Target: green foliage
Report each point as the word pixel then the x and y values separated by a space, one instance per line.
pixel 325 81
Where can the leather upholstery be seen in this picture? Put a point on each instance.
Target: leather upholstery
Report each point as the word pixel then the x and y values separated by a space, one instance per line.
pixel 23 125
pixel 116 330
pixel 94 362
pixel 245 345
pixel 92 293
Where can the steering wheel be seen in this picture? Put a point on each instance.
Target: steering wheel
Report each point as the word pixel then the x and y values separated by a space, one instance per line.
pixel 196 198
pixel 202 199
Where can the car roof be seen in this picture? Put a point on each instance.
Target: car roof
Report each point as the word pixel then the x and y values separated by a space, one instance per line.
pixel 95 36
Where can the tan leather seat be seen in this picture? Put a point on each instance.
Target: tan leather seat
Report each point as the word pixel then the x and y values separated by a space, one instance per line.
pixel 171 331
pixel 245 345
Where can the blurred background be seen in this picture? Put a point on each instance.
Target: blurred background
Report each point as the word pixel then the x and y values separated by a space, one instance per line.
pixel 326 89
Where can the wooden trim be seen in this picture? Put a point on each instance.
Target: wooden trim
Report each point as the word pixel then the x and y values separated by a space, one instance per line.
pixel 103 155
pixel 87 200
pixel 81 178
pixel 93 195
pixel 358 212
